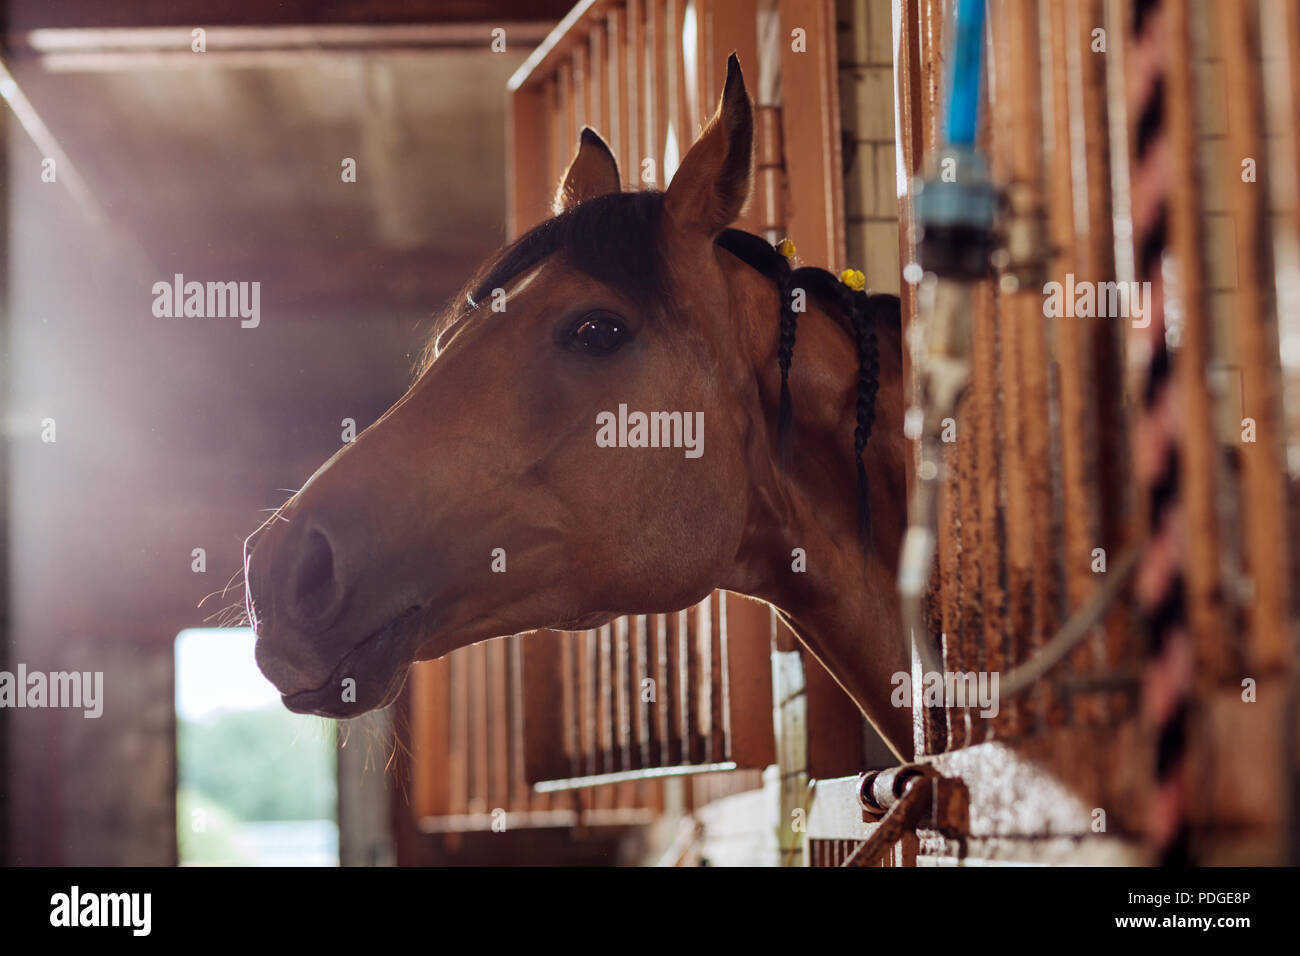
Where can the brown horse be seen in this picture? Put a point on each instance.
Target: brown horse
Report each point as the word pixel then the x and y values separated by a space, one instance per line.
pixel 389 554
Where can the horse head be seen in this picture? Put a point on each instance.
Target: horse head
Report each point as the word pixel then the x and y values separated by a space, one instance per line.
pixel 595 431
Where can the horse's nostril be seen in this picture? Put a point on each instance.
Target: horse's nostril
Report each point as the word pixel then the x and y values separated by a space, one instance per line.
pixel 313 591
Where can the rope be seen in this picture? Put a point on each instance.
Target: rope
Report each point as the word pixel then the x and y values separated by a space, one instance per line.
pixel 1160 590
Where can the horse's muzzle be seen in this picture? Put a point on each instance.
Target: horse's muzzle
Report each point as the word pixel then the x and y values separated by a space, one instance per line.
pixel 295 594
pixel 300 587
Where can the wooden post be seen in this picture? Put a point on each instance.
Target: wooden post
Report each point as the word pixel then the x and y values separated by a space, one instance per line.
pixel 1263 464
pixel 810 117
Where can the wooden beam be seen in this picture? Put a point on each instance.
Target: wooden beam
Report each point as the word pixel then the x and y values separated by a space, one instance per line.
pixel 529 184
pixel 1263 464
pixel 430 738
pixel 557 46
pixel 129 49
pixel 191 13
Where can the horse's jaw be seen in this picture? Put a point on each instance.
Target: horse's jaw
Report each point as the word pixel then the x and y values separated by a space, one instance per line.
pixel 844 608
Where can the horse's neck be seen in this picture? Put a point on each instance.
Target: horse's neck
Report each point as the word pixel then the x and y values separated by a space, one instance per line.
pixel 844 605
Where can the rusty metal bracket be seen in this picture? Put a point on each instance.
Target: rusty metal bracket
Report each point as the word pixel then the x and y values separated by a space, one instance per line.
pixel 910 797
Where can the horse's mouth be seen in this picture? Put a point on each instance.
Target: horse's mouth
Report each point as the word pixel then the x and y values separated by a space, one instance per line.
pixel 368 677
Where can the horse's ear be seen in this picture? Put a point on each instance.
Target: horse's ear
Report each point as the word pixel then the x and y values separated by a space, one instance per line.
pixel 712 184
pixel 592 173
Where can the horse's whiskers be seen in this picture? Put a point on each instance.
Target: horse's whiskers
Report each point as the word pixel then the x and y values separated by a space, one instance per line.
pixel 232 615
pixel 231 583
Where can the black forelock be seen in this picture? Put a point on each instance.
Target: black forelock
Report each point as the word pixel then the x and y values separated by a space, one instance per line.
pixel 614 239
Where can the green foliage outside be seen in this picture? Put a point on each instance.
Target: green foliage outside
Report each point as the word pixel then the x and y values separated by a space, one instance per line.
pixel 205 832
pixel 255 766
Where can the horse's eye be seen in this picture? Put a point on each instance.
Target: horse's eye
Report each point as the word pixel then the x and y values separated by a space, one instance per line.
pixel 599 333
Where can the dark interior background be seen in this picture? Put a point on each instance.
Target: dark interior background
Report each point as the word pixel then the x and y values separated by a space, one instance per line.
pixel 173 433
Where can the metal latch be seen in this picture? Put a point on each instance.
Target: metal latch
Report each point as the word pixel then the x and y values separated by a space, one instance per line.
pixel 911 797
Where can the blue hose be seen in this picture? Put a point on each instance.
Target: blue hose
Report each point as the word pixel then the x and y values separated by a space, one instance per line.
pixel 965 57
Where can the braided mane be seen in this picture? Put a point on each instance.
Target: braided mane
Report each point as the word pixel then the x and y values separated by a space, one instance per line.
pixel 860 308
